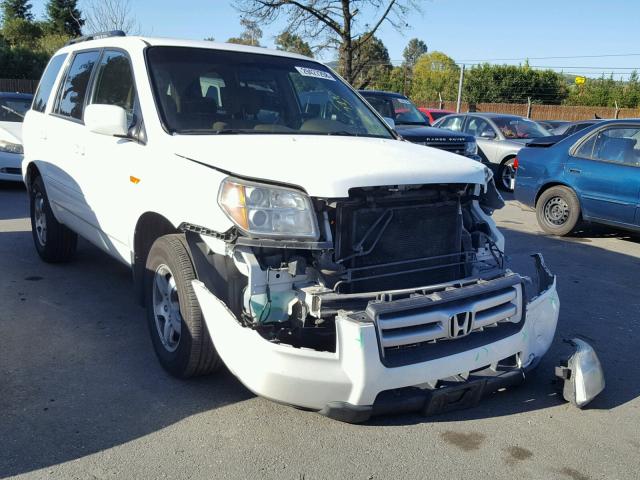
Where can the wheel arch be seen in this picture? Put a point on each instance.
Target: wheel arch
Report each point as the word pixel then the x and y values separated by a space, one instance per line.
pixel 149 227
pixel 31 173
pixel 549 185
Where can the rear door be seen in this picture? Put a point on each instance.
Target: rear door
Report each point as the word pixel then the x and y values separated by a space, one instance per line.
pixel 65 141
pixel 605 171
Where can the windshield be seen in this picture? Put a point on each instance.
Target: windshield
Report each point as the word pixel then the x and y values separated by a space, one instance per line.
pixel 519 128
pixel 400 109
pixel 202 91
pixel 14 109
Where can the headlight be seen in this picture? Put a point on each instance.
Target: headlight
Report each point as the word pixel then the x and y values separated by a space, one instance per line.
pixel 262 210
pixel 471 148
pixel 9 147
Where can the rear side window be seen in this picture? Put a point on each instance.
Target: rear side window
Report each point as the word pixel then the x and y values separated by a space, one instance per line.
pixel 114 83
pixel 74 88
pixel 47 81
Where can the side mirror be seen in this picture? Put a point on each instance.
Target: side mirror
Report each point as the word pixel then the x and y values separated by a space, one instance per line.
pixel 488 134
pixel 390 121
pixel 109 120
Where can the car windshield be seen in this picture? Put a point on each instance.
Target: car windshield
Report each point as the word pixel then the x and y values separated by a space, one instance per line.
pixel 519 128
pixel 205 91
pixel 14 109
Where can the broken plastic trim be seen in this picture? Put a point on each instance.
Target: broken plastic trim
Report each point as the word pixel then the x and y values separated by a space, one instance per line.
pixel 582 374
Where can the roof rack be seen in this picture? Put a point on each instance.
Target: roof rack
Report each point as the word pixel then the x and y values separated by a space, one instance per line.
pixel 96 36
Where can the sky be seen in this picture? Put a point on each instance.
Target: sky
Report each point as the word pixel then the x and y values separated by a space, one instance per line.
pixel 467 30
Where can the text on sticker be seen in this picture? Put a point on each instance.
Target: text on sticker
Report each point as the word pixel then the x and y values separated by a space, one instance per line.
pixel 312 72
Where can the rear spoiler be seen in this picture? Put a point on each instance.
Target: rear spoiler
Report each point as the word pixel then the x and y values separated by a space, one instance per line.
pixel 545 142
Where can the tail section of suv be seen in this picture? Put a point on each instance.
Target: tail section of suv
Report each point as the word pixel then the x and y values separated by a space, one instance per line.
pixel 274 223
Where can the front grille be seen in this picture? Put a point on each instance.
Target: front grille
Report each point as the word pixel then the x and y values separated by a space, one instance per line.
pixel 438 324
pixel 457 147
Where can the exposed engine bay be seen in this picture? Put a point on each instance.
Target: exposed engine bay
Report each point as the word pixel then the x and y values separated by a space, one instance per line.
pixel 380 244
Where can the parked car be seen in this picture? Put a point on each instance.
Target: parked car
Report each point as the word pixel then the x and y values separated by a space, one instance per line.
pixel 328 264
pixel 550 125
pixel 592 175
pixel 13 107
pixel 411 124
pixel 434 114
pixel 500 137
pixel 573 127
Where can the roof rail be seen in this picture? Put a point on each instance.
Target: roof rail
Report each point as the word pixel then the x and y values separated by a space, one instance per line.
pixel 96 36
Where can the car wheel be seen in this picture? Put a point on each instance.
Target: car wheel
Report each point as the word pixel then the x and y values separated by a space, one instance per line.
pixel 506 175
pixel 54 242
pixel 178 331
pixel 558 211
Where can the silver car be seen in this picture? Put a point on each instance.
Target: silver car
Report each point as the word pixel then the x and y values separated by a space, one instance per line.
pixel 500 137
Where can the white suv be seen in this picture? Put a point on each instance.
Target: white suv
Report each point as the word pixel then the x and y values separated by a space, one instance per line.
pixel 274 222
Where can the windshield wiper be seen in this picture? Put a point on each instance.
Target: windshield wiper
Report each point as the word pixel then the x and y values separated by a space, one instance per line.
pixel 343 133
pixel 204 131
pixel 11 110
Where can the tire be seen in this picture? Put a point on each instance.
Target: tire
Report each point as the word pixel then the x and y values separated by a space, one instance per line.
pixel 505 173
pixel 178 332
pixel 558 211
pixel 54 242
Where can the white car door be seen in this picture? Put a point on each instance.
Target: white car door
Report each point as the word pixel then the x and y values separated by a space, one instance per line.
pixel 65 141
pixel 109 167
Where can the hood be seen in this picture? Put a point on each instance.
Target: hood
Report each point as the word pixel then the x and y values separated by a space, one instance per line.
pixel 328 166
pixel 420 133
pixel 11 132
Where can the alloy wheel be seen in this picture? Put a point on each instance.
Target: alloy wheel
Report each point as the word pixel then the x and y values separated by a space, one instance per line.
pixel 166 308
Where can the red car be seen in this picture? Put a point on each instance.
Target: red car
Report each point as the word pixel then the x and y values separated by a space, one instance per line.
pixel 434 114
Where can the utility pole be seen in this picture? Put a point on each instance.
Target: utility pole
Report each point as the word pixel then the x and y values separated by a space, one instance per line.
pixel 528 107
pixel 459 104
pixel 440 103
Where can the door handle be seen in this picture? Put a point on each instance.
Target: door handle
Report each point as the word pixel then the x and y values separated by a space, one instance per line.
pixel 575 170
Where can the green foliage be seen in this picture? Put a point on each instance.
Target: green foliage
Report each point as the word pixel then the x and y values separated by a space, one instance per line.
pixel 290 42
pixel 371 64
pixel 434 73
pixel 22 63
pixel 605 92
pixel 64 17
pixel 16 9
pixel 413 51
pixel 251 35
pixel 21 33
pixel 513 84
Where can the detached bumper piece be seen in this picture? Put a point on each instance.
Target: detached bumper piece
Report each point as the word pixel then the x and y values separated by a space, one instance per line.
pixel 582 374
pixel 447 397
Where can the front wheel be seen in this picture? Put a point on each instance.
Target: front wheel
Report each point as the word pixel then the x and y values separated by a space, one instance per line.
pixel 178 331
pixel 507 175
pixel 558 211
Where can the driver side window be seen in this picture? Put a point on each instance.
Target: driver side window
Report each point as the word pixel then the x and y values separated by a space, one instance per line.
pixel 477 127
pixel 452 123
pixel 114 83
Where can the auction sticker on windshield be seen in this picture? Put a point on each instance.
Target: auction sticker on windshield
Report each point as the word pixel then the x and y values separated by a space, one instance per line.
pixel 312 72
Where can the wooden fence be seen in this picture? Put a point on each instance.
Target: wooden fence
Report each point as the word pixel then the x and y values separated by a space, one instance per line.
pixel 20 85
pixel 545 112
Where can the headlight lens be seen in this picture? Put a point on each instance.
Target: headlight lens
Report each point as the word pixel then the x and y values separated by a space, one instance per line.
pixel 268 211
pixel 471 148
pixel 9 147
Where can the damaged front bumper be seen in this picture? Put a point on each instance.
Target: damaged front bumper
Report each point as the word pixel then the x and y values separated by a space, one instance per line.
pixel 363 377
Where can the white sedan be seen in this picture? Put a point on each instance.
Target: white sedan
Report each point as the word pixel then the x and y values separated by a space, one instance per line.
pixel 13 107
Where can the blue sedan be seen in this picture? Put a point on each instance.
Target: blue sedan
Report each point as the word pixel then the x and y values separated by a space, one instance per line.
pixel 592 175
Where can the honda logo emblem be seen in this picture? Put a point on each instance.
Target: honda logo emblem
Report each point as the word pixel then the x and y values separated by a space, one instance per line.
pixel 460 324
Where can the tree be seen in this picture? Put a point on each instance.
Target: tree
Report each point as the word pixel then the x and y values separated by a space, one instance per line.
pixel 21 33
pixel 513 84
pixel 371 63
pixel 332 23
pixel 434 74
pixel 16 9
pixel 251 35
pixel 414 49
pixel 107 15
pixel 290 42
pixel 64 17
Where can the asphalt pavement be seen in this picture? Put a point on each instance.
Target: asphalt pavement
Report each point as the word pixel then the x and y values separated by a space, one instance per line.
pixel 82 395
